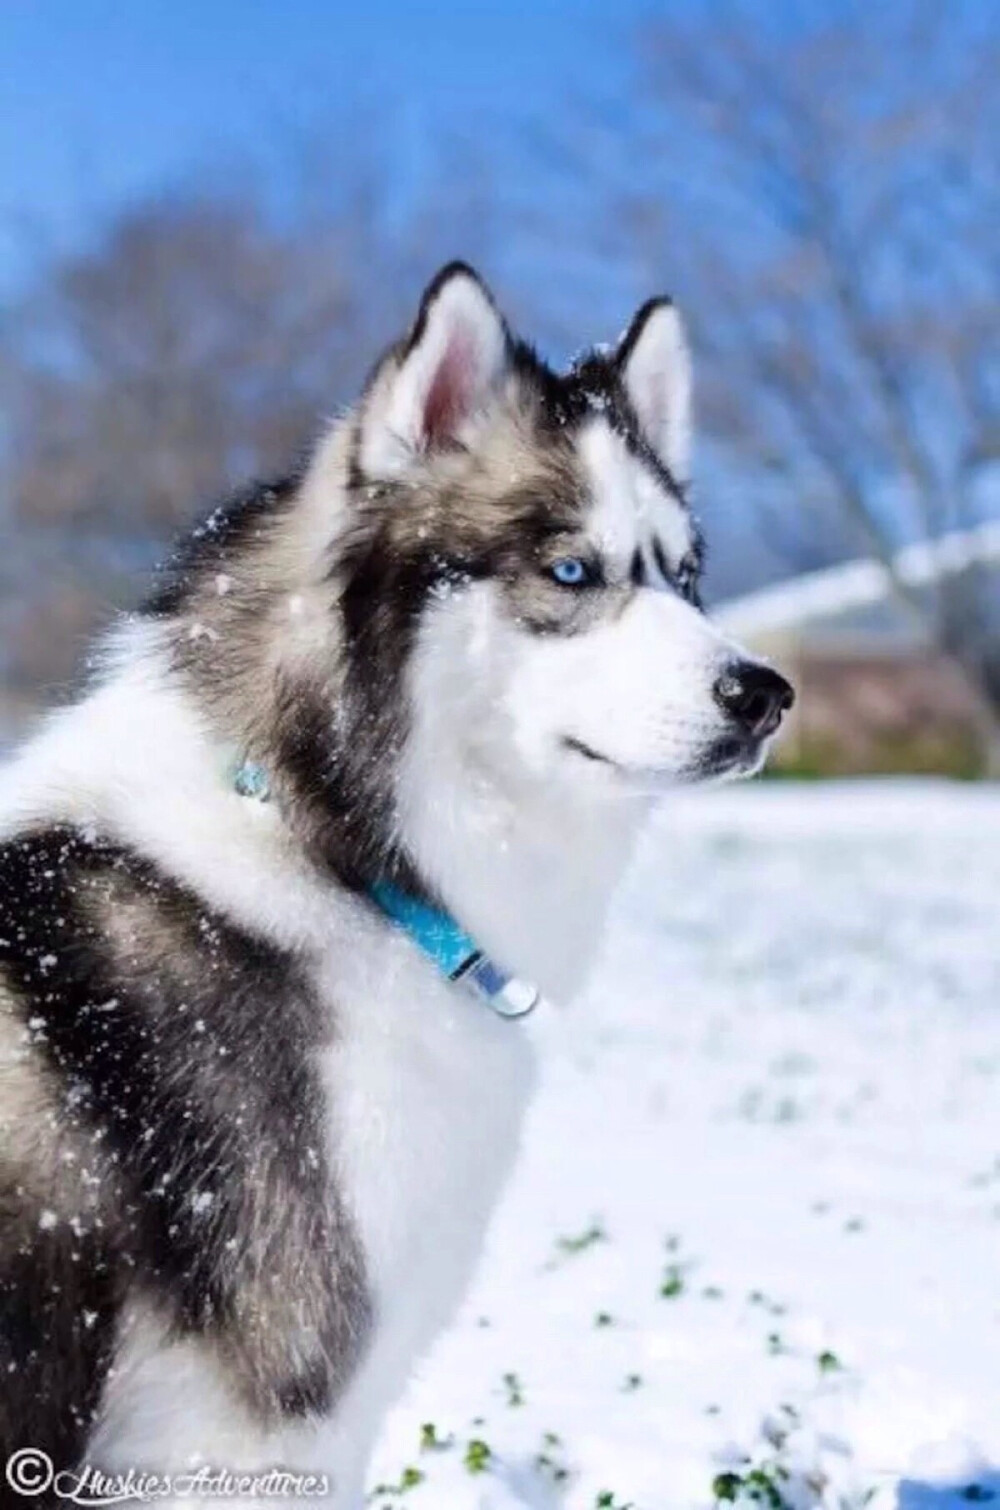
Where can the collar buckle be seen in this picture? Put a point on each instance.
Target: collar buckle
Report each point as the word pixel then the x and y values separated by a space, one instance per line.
pixel 438 936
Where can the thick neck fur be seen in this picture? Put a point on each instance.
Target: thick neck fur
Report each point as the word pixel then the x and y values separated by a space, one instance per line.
pixel 529 875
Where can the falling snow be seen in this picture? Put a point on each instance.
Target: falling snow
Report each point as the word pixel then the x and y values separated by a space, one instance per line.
pixel 203 632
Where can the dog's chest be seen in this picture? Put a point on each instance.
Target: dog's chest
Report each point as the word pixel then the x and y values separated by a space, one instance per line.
pixel 426 1092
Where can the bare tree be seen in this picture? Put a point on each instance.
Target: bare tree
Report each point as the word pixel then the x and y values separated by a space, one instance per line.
pixel 820 186
pixel 194 343
pixel 201 339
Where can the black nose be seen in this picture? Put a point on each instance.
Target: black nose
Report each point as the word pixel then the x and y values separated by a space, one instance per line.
pixel 755 696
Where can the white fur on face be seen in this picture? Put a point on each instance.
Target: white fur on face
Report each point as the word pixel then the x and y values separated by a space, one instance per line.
pixel 631 507
pixel 635 689
pixel 528 865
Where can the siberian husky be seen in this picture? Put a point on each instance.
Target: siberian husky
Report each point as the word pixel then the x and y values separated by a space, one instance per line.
pixel 394 720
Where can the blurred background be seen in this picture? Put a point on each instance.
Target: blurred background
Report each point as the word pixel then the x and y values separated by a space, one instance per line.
pixel 212 216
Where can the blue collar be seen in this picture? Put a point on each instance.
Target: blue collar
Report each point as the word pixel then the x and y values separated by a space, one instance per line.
pixel 438 936
pixel 435 933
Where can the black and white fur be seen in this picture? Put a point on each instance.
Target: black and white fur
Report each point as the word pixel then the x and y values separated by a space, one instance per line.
pixel 250 1137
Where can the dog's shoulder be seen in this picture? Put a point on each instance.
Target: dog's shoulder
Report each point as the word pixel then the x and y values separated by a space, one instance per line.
pixel 184 1046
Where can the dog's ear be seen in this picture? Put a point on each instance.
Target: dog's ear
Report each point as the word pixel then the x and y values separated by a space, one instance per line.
pixel 439 378
pixel 655 365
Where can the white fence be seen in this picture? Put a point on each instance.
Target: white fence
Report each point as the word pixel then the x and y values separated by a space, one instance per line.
pixel 824 595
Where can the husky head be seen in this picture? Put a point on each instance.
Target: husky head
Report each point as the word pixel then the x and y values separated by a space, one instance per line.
pixel 466 642
pixel 522 557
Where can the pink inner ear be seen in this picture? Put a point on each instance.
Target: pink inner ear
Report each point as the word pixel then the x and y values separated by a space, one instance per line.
pixel 452 393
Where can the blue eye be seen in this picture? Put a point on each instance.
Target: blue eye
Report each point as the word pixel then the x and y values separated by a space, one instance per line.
pixel 570 571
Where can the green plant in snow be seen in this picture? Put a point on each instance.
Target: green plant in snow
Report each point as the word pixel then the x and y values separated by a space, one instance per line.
pixel 478 1456
pixel 758 1298
pixel 548 1463
pixel 430 1441
pixel 408 1479
pixel 581 1241
pixel 672 1283
pixel 763 1485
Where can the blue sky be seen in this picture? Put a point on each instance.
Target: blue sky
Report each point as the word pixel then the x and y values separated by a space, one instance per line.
pixel 106 99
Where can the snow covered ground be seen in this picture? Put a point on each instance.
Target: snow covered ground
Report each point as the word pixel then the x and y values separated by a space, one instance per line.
pixel 752 1253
